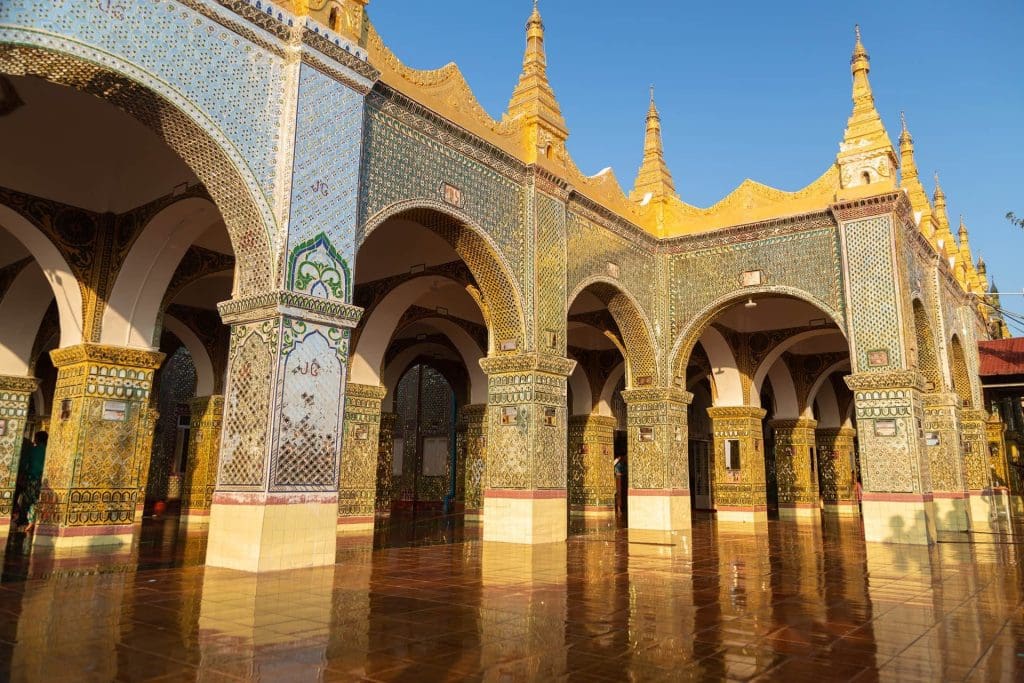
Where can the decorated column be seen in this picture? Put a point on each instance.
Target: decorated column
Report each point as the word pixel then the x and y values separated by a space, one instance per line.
pixel 796 466
pixel 385 464
pixel 357 490
pixel 897 501
pixel 591 465
pixel 206 414
pixel 1002 477
pixel 740 488
pixel 946 460
pixel 475 449
pixel 100 440
pixel 658 469
pixel 525 494
pixel 276 501
pixel 985 503
pixel 15 393
pixel 836 464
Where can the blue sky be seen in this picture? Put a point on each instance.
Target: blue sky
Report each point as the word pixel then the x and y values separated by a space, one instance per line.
pixel 760 90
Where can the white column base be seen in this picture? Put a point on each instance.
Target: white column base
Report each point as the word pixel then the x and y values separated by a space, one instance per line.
pixel 951 513
pixel 888 519
pixel 528 517
pixel 270 532
pixel 990 510
pixel 799 513
pixel 659 510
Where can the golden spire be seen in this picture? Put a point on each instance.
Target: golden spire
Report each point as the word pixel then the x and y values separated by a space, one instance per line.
pixel 533 101
pixel 654 178
pixel 971 273
pixel 911 182
pixel 866 159
pixel 943 234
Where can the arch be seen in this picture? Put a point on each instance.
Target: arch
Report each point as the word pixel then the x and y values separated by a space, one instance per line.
pixel 828 407
pixel 582 394
pixel 604 402
pixel 927 356
pixel 400 364
pixel 692 332
pixel 468 351
pixel 822 380
pixel 133 307
pixel 787 406
pixel 637 335
pixel 205 378
pixel 728 384
pixel 381 325
pixel 960 373
pixel 62 282
pixel 499 288
pixel 22 311
pixel 185 129
pixel 780 348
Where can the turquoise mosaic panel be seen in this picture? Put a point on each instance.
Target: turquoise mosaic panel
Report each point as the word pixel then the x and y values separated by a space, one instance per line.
pixel 229 85
pixel 325 186
pixel 401 164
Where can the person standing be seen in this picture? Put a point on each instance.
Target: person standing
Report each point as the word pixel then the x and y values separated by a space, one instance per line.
pixel 32 468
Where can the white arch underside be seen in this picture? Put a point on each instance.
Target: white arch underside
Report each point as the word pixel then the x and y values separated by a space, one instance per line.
pixel 21 313
pixel 582 396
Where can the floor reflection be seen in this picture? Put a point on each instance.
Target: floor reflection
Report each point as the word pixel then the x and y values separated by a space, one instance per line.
pixel 425 599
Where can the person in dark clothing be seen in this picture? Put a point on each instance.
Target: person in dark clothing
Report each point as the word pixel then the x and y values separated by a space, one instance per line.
pixel 31 469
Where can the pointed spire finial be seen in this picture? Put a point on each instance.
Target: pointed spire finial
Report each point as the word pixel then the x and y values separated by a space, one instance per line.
pixel 939 194
pixel 652 93
pixel 654 178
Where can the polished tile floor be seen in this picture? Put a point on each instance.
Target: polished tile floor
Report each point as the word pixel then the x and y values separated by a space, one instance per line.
pixel 431 602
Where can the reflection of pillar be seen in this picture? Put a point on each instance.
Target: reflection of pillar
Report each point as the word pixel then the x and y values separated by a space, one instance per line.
pixel 985 504
pixel 945 462
pixel 385 463
pixel 658 467
pixel 276 502
pixel 530 646
pixel 740 488
pixel 897 502
pixel 796 467
pixel 525 497
pixel 358 488
pixel 100 439
pixel 836 465
pixel 206 417
pixel 475 458
pixel 591 473
pixel 15 393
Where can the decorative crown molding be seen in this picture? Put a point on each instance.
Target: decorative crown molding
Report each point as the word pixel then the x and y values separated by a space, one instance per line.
pixel 291 304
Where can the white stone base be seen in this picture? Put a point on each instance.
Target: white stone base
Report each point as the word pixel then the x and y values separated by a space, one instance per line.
pixel 270 532
pixel 844 509
pixel 606 512
pixel 951 514
pixel 804 513
pixel 107 537
pixel 660 512
pixel 990 510
pixel 752 517
pixel 519 517
pixel 899 521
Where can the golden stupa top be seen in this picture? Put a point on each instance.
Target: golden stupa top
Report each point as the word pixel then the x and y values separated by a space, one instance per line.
pixel 534 131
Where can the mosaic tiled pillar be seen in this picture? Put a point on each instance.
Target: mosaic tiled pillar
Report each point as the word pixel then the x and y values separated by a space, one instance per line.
pixel 740 488
pixel 986 505
pixel 796 467
pixel 276 502
pixel 836 465
pixel 15 393
pixel 998 462
pixel 206 416
pixel 144 445
pixel 658 465
pixel 525 495
pixel 1014 445
pixel 591 465
pixel 897 503
pixel 357 489
pixel 385 464
pixel 101 435
pixel 945 460
pixel 473 418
